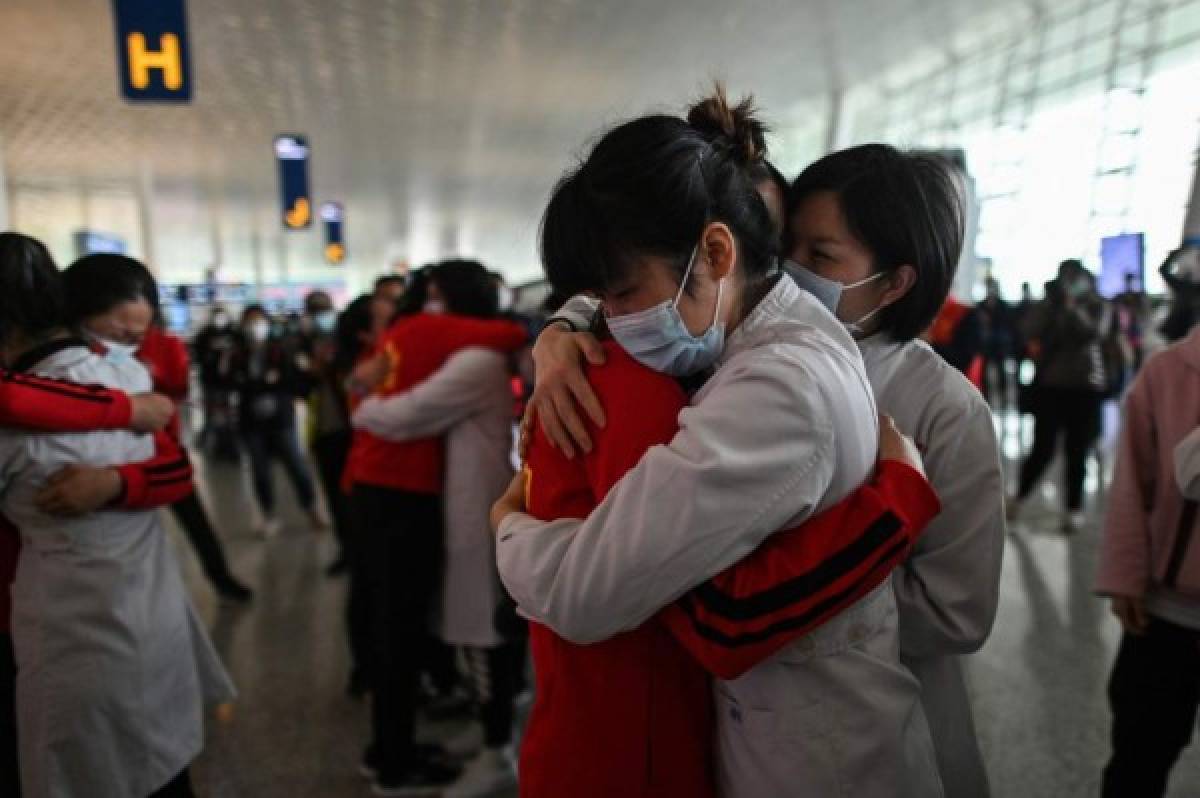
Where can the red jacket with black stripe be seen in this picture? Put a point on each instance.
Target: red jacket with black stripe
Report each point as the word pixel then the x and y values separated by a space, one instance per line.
pixel 54 405
pixel 417 346
pixel 628 715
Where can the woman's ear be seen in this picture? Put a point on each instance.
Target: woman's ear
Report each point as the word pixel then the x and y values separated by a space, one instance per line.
pixel 719 250
pixel 902 280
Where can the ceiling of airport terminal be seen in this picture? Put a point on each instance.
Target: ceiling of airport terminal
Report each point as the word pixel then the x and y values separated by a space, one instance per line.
pixel 443 122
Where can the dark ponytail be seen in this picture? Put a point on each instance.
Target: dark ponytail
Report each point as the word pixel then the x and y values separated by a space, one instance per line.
pixel 649 187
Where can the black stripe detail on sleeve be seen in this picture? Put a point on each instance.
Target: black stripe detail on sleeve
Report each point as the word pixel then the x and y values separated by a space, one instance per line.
pixel 804 586
pixel 82 393
pixel 174 465
pixel 787 624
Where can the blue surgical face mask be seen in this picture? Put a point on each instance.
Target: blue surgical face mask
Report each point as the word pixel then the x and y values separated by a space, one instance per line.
pixel 829 293
pixel 116 352
pixel 325 321
pixel 658 339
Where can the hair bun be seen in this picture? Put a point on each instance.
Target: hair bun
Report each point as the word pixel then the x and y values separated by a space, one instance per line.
pixel 735 129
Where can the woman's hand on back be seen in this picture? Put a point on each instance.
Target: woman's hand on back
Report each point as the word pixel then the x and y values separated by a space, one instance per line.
pixel 895 445
pixel 150 412
pixel 561 388
pixel 513 500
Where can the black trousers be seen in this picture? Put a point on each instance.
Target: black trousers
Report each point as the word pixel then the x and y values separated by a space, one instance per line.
pixel 268 443
pixel 494 671
pixel 9 777
pixel 358 591
pixel 1154 691
pixel 1076 414
pixel 331 451
pixel 404 550
pixel 190 514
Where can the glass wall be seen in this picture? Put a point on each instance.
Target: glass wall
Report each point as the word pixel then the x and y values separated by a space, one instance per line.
pixel 1079 122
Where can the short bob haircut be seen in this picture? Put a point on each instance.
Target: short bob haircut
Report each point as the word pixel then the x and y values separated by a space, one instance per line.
pixel 905 208
pixel 98 283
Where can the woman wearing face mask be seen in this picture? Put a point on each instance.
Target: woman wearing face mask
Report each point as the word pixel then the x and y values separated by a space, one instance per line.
pixel 269 381
pixel 664 222
pixel 875 234
pixel 114 301
pixel 113 665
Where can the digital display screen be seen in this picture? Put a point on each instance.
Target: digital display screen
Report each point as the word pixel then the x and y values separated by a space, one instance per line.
pixel 1121 256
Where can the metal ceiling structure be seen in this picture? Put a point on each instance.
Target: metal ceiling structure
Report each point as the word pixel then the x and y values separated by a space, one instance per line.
pixel 441 124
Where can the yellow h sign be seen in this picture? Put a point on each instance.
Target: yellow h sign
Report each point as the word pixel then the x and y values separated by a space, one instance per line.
pixel 167 58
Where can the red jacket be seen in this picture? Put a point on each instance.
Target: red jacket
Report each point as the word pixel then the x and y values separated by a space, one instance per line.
pixel 417 346
pixel 39 403
pixel 631 715
pixel 166 358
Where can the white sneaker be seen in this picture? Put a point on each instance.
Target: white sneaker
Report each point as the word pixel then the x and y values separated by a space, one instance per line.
pixel 269 527
pixel 490 772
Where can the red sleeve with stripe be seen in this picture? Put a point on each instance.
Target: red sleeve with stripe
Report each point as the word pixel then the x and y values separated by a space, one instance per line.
pixel 802 577
pixel 164 479
pixel 46 404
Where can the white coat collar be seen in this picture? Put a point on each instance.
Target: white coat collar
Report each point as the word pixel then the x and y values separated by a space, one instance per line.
pixel 770 308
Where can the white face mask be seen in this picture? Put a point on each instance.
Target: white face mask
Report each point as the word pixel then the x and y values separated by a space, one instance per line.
pixel 658 339
pixel 829 293
pixel 435 307
pixel 113 351
pixel 259 330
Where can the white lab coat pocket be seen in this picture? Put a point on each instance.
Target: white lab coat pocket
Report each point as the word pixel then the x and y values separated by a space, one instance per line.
pixel 776 752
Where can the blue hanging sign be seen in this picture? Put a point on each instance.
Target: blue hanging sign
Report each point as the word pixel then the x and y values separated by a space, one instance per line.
pixel 333 215
pixel 292 153
pixel 152 50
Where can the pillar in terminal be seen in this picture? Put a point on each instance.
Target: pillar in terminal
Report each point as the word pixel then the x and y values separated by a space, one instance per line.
pixel 1191 221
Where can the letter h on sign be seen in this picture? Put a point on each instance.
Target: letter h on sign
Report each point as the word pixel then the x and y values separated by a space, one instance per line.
pixel 152 50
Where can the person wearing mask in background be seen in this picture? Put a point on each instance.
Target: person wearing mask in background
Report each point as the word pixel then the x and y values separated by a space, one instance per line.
pixel 1069 327
pixel 269 380
pixel 468 401
pixel 211 346
pixel 114 299
pixel 397 509
pixel 328 432
pixel 664 220
pixel 389 290
pixel 113 664
pixel 998 332
pixel 878 233
pixel 1150 558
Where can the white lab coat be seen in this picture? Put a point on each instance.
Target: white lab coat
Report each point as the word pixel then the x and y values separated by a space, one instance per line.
pixel 786 427
pixel 1187 465
pixel 470 402
pixel 948 589
pixel 113 665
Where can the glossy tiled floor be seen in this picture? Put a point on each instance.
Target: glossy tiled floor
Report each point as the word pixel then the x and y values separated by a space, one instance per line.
pixel 1038 684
